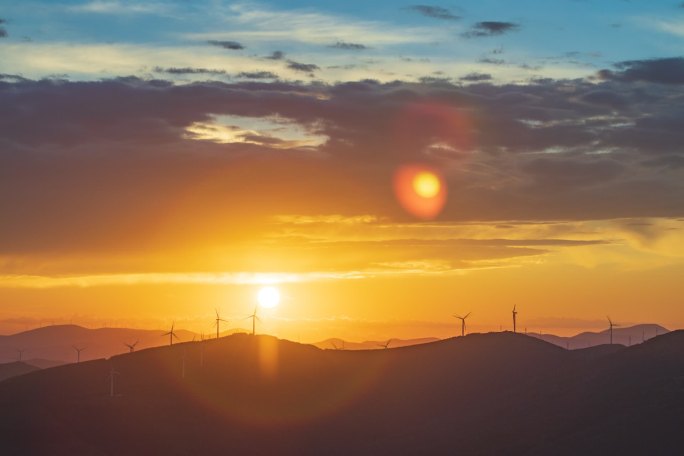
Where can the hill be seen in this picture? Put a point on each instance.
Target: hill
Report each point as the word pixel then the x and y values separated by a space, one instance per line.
pixel 627 336
pixel 13 369
pixel 54 344
pixel 341 344
pixel 498 393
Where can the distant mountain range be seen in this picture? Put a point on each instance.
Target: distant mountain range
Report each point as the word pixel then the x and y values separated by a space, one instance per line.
pixel 484 394
pixel 54 345
pixel 624 336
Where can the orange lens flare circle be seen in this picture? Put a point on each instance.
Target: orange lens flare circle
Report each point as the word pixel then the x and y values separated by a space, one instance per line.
pixel 421 190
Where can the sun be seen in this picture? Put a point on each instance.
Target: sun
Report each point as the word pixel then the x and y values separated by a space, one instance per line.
pixel 268 297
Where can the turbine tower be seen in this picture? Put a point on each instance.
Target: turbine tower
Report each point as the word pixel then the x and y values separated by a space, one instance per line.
pixel 218 322
pixel 112 373
pixel 611 325
pixel 254 319
pixel 20 352
pixel 78 352
pixel 131 347
pixel 515 315
pixel 463 323
pixel 171 334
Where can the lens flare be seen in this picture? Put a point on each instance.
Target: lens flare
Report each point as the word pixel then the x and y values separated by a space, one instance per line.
pixel 426 184
pixel 420 190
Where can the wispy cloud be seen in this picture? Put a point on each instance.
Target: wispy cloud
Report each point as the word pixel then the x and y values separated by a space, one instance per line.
pixel 119 7
pixel 227 44
pixel 490 28
pixel 304 26
pixel 436 12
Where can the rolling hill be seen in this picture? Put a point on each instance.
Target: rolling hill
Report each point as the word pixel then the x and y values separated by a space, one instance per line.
pixel 54 344
pixel 8 370
pixel 498 393
pixel 627 336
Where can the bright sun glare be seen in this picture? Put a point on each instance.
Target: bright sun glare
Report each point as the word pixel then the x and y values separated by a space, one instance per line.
pixel 426 184
pixel 268 297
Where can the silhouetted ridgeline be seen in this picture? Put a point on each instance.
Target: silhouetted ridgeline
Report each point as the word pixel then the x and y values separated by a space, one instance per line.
pixel 498 393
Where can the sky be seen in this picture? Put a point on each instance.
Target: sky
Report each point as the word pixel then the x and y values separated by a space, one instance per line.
pixel 160 160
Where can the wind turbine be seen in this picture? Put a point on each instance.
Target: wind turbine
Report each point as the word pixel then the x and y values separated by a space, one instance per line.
pixel 463 323
pixel 112 373
pixel 202 349
pixel 386 344
pixel 515 315
pixel 131 347
pixel 610 327
pixel 78 352
pixel 21 351
pixel 171 334
pixel 218 322
pixel 254 319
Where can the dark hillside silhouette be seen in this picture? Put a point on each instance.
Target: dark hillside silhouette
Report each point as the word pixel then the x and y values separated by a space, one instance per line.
pixel 498 393
pixel 9 370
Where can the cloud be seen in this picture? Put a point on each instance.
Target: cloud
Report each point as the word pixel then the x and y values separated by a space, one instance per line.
pixel 231 45
pixel 118 7
pixel 549 150
pixel 348 46
pixel 662 71
pixel 276 55
pixel 3 33
pixel 476 77
pixel 257 75
pixel 436 12
pixel 491 61
pixel 188 70
pixel 303 67
pixel 491 28
pixel 260 24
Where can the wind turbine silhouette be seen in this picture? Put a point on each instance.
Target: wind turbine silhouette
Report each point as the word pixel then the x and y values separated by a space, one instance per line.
pixel 386 344
pixel 78 352
pixel 254 319
pixel 21 351
pixel 201 342
pixel 610 327
pixel 218 322
pixel 463 323
pixel 131 347
pixel 515 315
pixel 112 373
pixel 171 334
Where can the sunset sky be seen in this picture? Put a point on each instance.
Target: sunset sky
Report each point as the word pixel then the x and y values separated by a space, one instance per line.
pixel 162 159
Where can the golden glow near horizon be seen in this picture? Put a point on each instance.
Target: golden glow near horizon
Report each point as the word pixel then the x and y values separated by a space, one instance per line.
pixel 268 297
